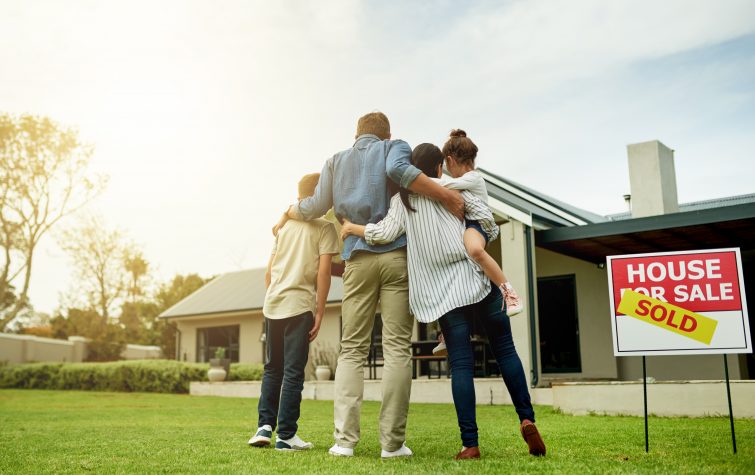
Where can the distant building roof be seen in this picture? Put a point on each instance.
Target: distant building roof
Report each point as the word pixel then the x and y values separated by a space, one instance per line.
pixel 234 292
pixel 698 205
pixel 546 211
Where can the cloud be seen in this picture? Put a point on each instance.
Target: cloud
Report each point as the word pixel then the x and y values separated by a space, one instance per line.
pixel 205 114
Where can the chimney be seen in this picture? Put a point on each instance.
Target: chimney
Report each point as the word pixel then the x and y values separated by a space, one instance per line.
pixel 652 179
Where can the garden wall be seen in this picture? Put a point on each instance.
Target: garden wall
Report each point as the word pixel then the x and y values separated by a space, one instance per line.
pixel 28 348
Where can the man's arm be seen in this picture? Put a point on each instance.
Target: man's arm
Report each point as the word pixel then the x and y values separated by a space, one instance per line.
pixel 313 206
pixel 323 287
pixel 399 168
pixel 450 199
pixel 318 204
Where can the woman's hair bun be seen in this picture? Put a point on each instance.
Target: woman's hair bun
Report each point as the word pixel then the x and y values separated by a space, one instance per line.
pixel 458 133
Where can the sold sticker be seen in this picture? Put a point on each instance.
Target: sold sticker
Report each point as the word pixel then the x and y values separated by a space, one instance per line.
pixel 667 316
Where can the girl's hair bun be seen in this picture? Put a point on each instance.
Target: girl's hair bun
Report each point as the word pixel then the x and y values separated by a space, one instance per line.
pixel 458 133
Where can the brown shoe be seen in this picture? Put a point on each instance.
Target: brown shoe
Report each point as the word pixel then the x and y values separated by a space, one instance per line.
pixel 532 437
pixel 470 453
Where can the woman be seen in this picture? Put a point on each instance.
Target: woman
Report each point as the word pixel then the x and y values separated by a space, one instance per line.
pixel 446 285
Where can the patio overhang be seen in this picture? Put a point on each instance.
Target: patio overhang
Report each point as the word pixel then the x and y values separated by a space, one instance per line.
pixel 730 226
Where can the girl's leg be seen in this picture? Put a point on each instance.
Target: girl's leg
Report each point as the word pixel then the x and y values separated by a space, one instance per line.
pixel 474 243
pixel 456 327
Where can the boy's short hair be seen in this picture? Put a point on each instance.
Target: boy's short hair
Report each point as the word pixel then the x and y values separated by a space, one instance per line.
pixel 307 185
pixel 375 123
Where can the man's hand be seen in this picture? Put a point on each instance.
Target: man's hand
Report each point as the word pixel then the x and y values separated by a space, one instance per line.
pixel 315 328
pixel 280 223
pixel 454 203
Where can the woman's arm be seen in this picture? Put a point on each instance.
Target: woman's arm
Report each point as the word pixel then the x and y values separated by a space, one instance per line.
pixel 387 230
pixel 390 227
pixel 350 229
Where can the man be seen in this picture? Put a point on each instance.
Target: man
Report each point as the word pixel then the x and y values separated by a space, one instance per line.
pixel 355 183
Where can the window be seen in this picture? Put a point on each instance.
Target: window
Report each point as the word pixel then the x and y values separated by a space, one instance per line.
pixel 210 339
pixel 558 324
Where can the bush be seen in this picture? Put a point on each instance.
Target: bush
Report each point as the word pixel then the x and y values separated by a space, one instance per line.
pixel 245 372
pixel 161 376
pixel 147 376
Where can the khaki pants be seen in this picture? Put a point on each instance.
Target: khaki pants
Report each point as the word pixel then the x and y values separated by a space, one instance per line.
pixel 367 279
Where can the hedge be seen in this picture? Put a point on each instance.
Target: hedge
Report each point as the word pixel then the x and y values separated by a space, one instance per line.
pixel 160 376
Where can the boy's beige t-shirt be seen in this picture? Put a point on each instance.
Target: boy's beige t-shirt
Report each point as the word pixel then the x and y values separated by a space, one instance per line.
pixel 297 251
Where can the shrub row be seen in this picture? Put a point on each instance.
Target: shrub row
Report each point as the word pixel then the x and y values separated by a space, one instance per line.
pixel 160 376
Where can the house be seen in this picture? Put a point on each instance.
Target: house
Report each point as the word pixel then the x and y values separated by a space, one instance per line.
pixel 227 313
pixel 554 254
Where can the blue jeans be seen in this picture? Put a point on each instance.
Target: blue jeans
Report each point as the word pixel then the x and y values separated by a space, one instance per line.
pixel 456 326
pixel 287 342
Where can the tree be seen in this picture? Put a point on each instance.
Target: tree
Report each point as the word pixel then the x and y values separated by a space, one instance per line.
pixel 44 176
pixel 170 293
pixel 98 255
pixel 137 268
pixel 180 287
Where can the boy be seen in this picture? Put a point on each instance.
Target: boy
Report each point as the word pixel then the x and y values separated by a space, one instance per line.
pixel 297 281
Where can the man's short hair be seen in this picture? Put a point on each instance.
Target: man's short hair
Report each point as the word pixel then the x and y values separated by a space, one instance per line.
pixel 375 123
pixel 307 185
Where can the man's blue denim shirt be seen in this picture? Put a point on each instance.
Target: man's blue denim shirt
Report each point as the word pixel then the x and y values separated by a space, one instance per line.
pixel 355 183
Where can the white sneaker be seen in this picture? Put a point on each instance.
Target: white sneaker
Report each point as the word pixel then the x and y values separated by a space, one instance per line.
pixel 339 451
pixel 294 443
pixel 402 451
pixel 262 437
pixel 440 349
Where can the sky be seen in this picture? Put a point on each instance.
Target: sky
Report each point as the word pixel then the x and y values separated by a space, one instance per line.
pixel 205 114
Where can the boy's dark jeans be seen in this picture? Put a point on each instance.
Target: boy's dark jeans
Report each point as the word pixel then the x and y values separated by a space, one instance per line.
pixel 287 342
pixel 456 326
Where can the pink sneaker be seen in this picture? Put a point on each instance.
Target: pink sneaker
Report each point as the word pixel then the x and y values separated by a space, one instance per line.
pixel 512 302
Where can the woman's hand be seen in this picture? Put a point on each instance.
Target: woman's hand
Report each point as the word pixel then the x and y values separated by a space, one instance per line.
pixel 347 229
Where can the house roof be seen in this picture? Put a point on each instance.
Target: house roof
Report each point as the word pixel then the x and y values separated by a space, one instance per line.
pixel 234 292
pixel 708 228
pixel 698 205
pixel 546 211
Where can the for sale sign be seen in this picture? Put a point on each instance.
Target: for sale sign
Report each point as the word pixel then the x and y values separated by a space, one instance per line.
pixel 677 303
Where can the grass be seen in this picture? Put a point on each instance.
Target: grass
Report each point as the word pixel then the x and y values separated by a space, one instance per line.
pixel 72 431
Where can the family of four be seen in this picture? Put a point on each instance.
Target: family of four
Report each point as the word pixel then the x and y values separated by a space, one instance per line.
pixel 419 251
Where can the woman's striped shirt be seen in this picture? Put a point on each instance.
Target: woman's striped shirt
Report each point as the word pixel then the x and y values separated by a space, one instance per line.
pixel 442 276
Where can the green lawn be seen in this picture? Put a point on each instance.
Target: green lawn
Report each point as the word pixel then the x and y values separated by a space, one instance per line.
pixel 71 431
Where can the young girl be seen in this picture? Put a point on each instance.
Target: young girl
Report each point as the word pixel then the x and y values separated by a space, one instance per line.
pixel 460 153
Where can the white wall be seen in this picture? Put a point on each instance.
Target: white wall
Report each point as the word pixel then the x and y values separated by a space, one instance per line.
pixel 251 327
pixel 678 368
pixel 28 349
pixel 596 345
pixel 595 340
pixel 514 264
